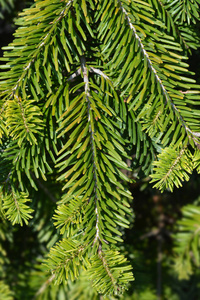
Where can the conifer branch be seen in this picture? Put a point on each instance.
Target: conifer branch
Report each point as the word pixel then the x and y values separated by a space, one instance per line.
pixel 174 164
pixel 74 75
pixel 144 52
pixel 15 200
pixel 99 72
pixel 15 207
pixel 92 70
pixel 158 80
pixel 41 45
pixel 169 170
pixel 169 17
pixel 44 286
pixel 22 112
pixel 105 265
pixel 109 266
pixel 95 176
pixel 57 87
pixel 186 241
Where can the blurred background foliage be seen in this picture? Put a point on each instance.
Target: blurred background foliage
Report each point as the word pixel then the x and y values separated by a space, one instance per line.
pixel 162 240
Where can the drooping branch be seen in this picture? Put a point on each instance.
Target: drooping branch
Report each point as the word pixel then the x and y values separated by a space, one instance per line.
pixel 95 176
pixel 42 44
pixel 188 131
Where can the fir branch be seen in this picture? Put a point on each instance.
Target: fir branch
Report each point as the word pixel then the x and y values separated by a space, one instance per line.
pixel 74 75
pixel 65 259
pixel 105 265
pixel 41 45
pixel 158 80
pixel 94 124
pixel 92 70
pixel 186 241
pixel 15 207
pixel 172 168
pixel 5 292
pixel 44 286
pixel 169 17
pixel 178 158
pixel 19 101
pixel 24 120
pixel 99 72
pixel 87 93
pixel 109 272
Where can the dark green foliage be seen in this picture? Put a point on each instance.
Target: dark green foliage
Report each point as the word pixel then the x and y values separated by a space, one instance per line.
pixel 92 91
pixel 6 5
pixel 187 241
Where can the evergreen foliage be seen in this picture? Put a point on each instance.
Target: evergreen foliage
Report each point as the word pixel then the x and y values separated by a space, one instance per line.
pixel 92 90
pixel 187 241
pixel 11 7
pixel 6 5
pixel 5 293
